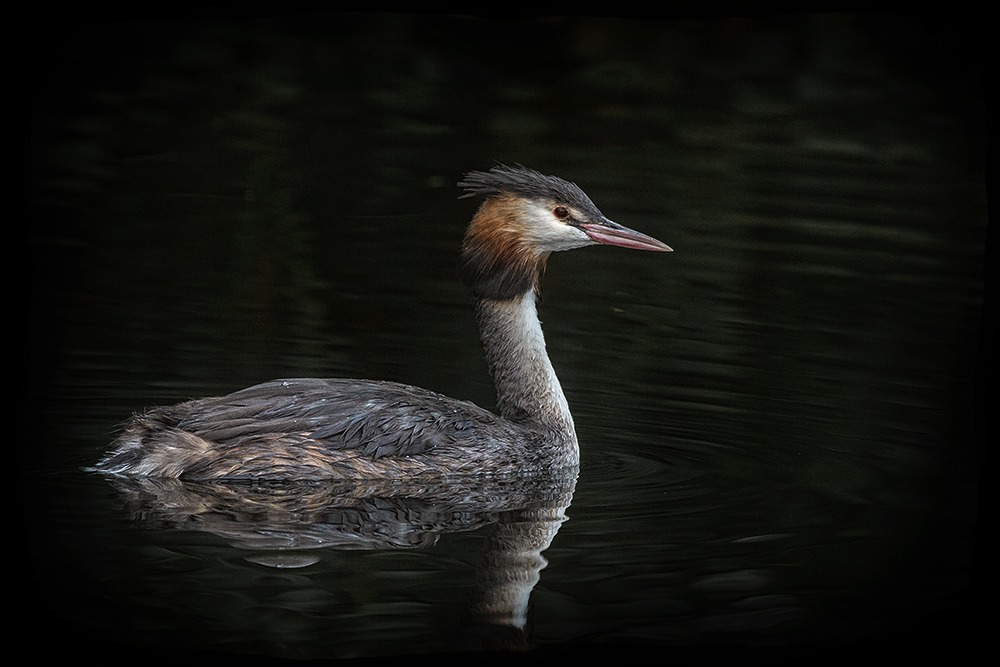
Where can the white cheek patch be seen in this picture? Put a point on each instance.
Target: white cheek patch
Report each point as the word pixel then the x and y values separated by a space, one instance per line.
pixel 549 234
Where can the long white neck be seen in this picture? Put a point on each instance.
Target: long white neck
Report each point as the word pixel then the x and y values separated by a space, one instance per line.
pixel 528 391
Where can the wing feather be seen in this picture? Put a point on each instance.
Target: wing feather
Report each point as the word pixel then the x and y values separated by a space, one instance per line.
pixel 374 419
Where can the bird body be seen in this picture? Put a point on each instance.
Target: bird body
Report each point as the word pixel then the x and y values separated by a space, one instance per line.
pixel 312 429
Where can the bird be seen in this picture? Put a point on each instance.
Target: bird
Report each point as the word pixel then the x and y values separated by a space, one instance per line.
pixel 343 429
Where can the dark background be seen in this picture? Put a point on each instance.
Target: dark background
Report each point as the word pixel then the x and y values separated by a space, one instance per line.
pixel 219 202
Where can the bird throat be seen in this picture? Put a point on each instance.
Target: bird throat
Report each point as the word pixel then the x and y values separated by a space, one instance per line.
pixel 528 391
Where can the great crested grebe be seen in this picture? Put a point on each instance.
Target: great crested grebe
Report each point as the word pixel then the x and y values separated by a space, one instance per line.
pixel 308 429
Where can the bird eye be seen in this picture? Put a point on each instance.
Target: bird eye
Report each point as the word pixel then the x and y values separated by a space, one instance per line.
pixel 560 212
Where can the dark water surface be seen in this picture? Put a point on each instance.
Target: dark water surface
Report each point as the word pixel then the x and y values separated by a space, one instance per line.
pixel 776 420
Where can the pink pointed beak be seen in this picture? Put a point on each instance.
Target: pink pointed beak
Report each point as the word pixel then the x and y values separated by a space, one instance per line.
pixel 611 233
